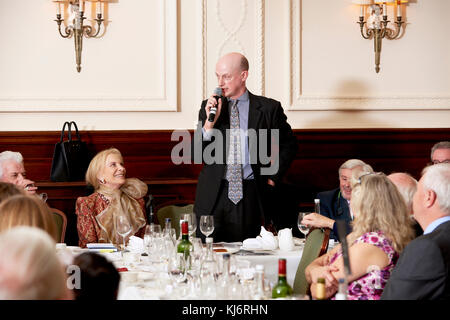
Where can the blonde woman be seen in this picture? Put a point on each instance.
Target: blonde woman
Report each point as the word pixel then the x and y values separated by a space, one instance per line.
pixel 114 196
pixel 24 210
pixel 381 229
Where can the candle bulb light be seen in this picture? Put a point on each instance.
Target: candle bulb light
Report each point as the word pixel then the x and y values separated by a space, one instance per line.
pixel 374 23
pixel 75 28
pixel 99 7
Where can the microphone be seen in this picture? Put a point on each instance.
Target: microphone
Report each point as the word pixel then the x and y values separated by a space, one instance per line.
pixel 217 96
pixel 342 231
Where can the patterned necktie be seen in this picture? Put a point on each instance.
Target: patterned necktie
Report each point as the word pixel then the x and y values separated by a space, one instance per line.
pixel 234 168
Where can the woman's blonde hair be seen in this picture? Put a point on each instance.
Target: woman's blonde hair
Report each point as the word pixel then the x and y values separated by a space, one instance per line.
pixel 24 210
pixel 97 164
pixel 379 206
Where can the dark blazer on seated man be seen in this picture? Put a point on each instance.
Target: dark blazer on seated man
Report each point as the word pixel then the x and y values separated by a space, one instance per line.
pixel 334 206
pixel 423 269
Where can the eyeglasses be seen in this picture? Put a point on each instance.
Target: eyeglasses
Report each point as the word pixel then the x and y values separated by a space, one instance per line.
pixel 369 174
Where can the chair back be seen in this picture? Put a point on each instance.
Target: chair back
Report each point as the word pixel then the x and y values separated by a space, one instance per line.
pixel 316 244
pixel 61 223
pixel 173 210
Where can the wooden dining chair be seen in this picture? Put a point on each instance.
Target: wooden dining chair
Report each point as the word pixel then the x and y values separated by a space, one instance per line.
pixel 174 210
pixel 316 244
pixel 61 223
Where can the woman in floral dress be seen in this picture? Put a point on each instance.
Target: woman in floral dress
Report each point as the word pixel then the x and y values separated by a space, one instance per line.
pixel 381 229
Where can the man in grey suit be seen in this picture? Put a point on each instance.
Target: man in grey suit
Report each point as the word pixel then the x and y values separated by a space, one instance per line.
pixel 423 269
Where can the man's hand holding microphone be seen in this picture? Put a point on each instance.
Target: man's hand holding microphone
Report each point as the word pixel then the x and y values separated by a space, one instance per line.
pixel 213 108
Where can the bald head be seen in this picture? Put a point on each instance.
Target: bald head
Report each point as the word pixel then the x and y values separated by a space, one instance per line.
pixel 406 185
pixel 232 73
pixel 235 61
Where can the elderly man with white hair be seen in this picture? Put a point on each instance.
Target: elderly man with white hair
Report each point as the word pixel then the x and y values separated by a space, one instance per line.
pixel 13 171
pixel 335 204
pixel 423 269
pixel 29 266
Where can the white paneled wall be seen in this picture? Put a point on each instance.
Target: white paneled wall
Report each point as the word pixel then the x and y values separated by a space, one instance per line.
pixel 156 62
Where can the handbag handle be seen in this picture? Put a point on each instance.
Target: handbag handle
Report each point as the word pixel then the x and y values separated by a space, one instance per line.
pixel 62 131
pixel 76 128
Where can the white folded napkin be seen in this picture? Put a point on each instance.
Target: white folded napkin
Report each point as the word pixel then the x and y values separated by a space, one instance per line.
pixel 265 241
pixel 285 239
pixel 135 244
pixel 251 243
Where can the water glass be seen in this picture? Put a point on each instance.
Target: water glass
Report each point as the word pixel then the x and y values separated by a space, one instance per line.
pixel 155 230
pixel 177 268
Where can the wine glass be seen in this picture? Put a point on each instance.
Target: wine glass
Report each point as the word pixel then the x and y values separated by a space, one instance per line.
pixel 123 228
pixel 302 227
pixel 192 223
pixel 207 225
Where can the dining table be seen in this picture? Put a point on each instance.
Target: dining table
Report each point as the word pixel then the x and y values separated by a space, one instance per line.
pixel 143 278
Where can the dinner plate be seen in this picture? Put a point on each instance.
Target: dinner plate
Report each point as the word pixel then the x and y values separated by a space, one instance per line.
pixel 226 250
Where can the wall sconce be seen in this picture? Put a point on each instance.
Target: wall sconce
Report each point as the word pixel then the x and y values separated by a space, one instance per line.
pixel 377 23
pixel 74 10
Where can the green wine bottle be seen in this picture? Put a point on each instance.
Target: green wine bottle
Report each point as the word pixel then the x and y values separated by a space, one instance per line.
pixel 282 289
pixel 184 246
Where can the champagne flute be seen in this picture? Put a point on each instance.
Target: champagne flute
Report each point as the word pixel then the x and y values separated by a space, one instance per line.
pixel 207 225
pixel 147 238
pixel 302 227
pixel 123 228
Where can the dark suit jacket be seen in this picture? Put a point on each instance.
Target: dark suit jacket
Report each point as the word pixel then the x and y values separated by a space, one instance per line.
pixel 264 113
pixel 334 206
pixel 423 269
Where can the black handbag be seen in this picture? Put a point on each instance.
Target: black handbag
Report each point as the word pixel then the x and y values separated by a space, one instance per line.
pixel 70 158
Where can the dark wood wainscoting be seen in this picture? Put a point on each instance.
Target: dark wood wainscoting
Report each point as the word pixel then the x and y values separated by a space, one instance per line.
pixel 147 155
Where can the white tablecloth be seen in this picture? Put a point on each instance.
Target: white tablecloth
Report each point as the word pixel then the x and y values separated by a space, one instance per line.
pixel 270 263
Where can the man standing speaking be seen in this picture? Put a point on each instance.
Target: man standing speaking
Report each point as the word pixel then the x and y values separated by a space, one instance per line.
pixel 237 185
